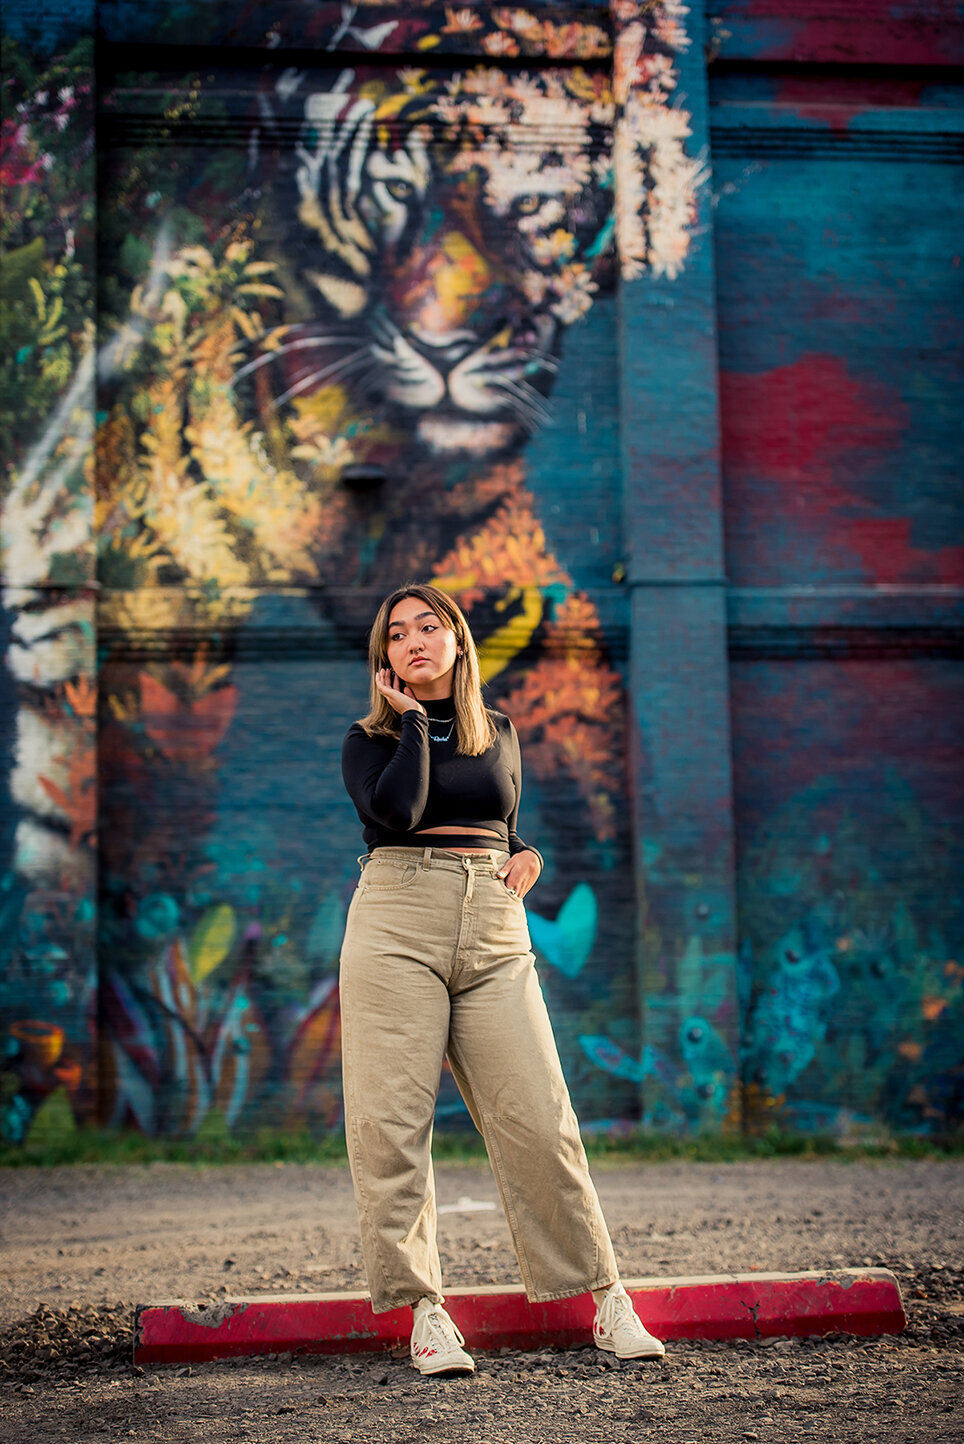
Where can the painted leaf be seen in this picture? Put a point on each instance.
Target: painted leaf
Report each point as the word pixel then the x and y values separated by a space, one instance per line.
pixel 211 941
pixel 239 1051
pixel 127 1030
pixel 606 1054
pixel 314 1055
pixel 185 730
pixel 689 978
pixel 578 918
pixel 704 1051
pixel 567 942
pixel 125 1094
pixel 53 1120
pixel 185 1082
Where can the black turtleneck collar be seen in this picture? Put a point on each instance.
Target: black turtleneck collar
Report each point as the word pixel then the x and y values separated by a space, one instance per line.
pixel 441 709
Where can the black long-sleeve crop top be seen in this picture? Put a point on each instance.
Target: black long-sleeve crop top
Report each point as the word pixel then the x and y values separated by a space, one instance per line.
pixel 418 780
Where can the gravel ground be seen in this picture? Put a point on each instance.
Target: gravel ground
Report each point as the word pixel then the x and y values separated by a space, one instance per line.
pixel 81 1246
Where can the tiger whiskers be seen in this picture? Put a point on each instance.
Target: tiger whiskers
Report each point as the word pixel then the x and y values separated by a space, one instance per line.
pixel 534 359
pixel 304 343
pixel 524 400
pixel 538 361
pixel 341 368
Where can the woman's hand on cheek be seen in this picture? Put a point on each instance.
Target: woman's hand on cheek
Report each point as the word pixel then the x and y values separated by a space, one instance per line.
pixel 401 698
pixel 520 872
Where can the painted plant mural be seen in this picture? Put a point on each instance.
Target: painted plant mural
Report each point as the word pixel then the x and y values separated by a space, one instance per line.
pixel 333 307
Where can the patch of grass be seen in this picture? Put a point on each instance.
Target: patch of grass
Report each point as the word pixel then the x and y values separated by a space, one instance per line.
pixel 214 1145
pixel 640 1147
pixel 96 1146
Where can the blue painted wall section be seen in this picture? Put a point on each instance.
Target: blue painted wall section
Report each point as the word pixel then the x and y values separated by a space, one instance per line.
pixel 688 1065
pixel 637 328
pixel 841 396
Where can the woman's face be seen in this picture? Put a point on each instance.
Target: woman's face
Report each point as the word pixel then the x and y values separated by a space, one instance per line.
pixel 421 648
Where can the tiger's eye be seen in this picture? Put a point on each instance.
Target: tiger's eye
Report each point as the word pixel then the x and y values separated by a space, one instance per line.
pixel 528 205
pixel 399 190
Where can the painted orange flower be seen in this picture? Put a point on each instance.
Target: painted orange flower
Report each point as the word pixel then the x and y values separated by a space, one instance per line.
pixel 185 731
pixel 460 22
pixel 510 549
pixel 78 799
pixel 82 696
pixel 568 710
pixel 500 44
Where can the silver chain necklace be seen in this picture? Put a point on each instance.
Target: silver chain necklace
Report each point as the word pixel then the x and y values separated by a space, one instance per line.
pixel 441 721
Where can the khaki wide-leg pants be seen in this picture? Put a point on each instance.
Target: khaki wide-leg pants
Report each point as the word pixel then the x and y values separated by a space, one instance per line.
pixel 437 959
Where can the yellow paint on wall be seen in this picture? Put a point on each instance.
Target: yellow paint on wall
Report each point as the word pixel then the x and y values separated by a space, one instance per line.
pixel 465 279
pixel 498 649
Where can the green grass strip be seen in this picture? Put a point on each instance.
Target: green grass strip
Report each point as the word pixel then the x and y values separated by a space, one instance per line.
pixel 215 1146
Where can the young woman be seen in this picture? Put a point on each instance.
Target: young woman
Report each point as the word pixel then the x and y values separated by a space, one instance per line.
pixel 436 960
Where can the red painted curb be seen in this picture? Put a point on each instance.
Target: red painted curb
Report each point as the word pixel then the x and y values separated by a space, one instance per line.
pixel 720 1306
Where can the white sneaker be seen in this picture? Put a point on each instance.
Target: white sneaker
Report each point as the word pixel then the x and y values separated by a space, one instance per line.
pixel 437 1343
pixel 619 1331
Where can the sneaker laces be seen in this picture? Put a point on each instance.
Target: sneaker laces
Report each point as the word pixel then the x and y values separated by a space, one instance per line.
pixel 616 1304
pixel 439 1330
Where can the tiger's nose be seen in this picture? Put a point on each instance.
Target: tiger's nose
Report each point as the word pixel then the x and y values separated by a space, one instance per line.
pixel 441 338
pixel 444 348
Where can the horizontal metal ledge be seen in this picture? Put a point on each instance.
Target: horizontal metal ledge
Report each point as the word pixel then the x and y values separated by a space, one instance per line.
pixel 797 143
pixel 270 644
pixel 120 129
pixel 876 607
pixel 794 641
pixel 802 643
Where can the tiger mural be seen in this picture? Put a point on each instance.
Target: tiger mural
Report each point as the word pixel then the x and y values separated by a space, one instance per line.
pixel 450 241
pixel 330 391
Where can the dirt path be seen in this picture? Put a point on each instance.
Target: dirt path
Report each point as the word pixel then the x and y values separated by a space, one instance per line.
pixel 80 1246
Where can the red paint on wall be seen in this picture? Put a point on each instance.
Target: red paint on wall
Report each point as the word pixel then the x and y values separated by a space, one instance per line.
pixel 814 432
pixel 884 546
pixel 829 101
pixel 877 32
pixel 846 722
pixel 794 424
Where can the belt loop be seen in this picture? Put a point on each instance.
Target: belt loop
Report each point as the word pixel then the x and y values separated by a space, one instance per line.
pixel 362 860
pixel 427 858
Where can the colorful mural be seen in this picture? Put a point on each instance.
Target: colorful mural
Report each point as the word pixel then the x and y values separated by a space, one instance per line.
pixel 851 857
pixel 346 295
pixel 325 343
pixel 48 988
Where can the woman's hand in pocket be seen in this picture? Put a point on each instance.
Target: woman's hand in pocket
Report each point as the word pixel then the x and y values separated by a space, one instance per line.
pixel 520 872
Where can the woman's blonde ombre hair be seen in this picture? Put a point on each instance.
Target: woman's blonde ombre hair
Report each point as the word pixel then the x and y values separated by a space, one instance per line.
pixel 474 730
